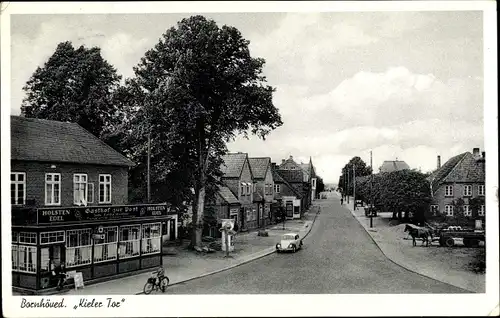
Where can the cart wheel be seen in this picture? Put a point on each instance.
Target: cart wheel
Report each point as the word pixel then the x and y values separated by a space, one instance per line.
pixel 450 242
pixel 148 288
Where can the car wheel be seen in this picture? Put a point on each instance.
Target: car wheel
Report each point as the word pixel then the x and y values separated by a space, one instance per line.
pixel 450 242
pixel 294 249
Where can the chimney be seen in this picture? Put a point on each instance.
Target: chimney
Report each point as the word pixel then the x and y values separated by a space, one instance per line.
pixel 475 153
pixel 439 162
pixel 291 158
pixel 282 161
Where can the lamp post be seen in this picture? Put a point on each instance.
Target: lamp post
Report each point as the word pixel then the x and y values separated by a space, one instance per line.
pixel 354 185
pixel 347 186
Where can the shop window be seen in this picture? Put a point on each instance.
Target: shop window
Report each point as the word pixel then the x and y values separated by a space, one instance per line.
pixel 105 249
pixel 78 247
pixel 52 237
pixel 52 189
pixel 15 258
pixel 27 238
pixel 46 253
pixel 17 188
pixel 26 259
pixel 481 211
pixel 104 188
pixel 151 238
pixel 80 189
pixel 130 241
pixel 249 215
pixel 15 237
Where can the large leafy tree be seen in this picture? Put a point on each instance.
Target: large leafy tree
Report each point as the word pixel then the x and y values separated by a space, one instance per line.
pixel 198 88
pixel 355 167
pixel 75 85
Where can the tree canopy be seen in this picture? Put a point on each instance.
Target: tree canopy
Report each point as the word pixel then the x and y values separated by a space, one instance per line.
pixel 75 85
pixel 196 89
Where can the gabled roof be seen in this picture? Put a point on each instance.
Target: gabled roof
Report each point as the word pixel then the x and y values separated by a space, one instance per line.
pixel 35 139
pixel 279 179
pixel 233 164
pixel 227 195
pixel 259 166
pixel 306 167
pixel 292 176
pixel 461 168
pixel 391 166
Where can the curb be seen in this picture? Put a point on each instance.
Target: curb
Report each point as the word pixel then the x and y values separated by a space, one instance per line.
pixel 402 266
pixel 268 251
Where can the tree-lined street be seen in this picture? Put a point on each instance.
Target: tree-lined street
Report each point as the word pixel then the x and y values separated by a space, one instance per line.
pixel 338 257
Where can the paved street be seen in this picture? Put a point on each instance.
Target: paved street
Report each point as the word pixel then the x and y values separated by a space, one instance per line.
pixel 338 257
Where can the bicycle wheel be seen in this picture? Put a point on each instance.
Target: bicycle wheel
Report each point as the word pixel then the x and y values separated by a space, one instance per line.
pixel 164 284
pixel 148 288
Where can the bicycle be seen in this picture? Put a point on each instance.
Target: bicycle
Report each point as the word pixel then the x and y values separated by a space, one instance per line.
pixel 158 280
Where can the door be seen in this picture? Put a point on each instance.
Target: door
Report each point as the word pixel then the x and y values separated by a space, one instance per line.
pixel 172 229
pixel 48 253
pixel 289 209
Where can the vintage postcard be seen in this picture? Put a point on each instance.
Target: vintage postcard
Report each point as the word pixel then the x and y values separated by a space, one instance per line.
pixel 249 159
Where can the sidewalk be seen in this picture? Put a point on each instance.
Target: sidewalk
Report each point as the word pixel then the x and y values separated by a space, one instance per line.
pixel 448 265
pixel 187 265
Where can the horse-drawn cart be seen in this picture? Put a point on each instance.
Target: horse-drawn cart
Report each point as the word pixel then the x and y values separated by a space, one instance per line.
pixel 470 238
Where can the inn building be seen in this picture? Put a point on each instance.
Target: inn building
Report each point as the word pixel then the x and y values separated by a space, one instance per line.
pixel 69 199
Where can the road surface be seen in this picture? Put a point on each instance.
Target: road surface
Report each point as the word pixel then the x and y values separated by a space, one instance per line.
pixel 338 257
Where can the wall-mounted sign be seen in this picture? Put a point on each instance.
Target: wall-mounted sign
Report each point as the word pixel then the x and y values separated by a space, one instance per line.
pixel 98 213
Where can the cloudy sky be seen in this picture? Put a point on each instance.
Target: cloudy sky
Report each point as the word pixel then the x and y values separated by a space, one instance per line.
pixel 406 85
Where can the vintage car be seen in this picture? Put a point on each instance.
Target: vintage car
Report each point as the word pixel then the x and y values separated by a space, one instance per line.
pixel 289 242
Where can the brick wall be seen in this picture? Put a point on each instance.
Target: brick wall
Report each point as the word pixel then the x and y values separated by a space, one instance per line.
pixel 35 180
pixel 440 198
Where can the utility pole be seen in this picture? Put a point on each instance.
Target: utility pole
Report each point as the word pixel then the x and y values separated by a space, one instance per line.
pixel 347 173
pixel 149 167
pixel 371 191
pixel 354 185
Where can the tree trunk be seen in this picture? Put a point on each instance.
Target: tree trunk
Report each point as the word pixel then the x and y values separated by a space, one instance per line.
pixel 394 215
pixel 400 215
pixel 198 217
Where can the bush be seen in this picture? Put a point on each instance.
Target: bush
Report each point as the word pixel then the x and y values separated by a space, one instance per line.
pixel 479 264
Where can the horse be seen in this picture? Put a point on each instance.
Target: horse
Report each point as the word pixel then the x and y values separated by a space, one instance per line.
pixel 421 232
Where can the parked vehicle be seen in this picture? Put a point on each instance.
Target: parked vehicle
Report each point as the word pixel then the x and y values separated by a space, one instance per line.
pixel 158 280
pixel 289 242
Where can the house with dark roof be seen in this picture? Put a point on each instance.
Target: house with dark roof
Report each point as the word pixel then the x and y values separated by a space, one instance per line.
pixel 461 177
pixel 70 207
pixel 393 165
pixel 225 206
pixel 288 195
pixel 292 172
pixel 238 177
pixel 264 188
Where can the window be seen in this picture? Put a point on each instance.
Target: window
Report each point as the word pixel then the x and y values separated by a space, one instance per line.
pixel 481 211
pixel 80 189
pixel 480 189
pixel 249 188
pixel 26 258
pixel 15 257
pixel 17 188
pixel 434 209
pixel 467 210
pixel 52 189
pixel 254 214
pixel 277 188
pixel 27 238
pixel 151 238
pixel 15 237
pixel 90 193
pixel 448 191
pixel 467 190
pixel 314 183
pixel 249 215
pixel 105 248
pixel 52 237
pixel 449 210
pixel 104 188
pixel 130 241
pixel 78 247
pixel 242 188
pixel 255 187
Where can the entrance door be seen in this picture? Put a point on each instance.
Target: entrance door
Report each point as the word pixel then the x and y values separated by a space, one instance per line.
pixel 48 252
pixel 172 229
pixel 289 209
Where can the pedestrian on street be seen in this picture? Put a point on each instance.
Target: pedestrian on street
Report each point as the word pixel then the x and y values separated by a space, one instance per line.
pixel 342 201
